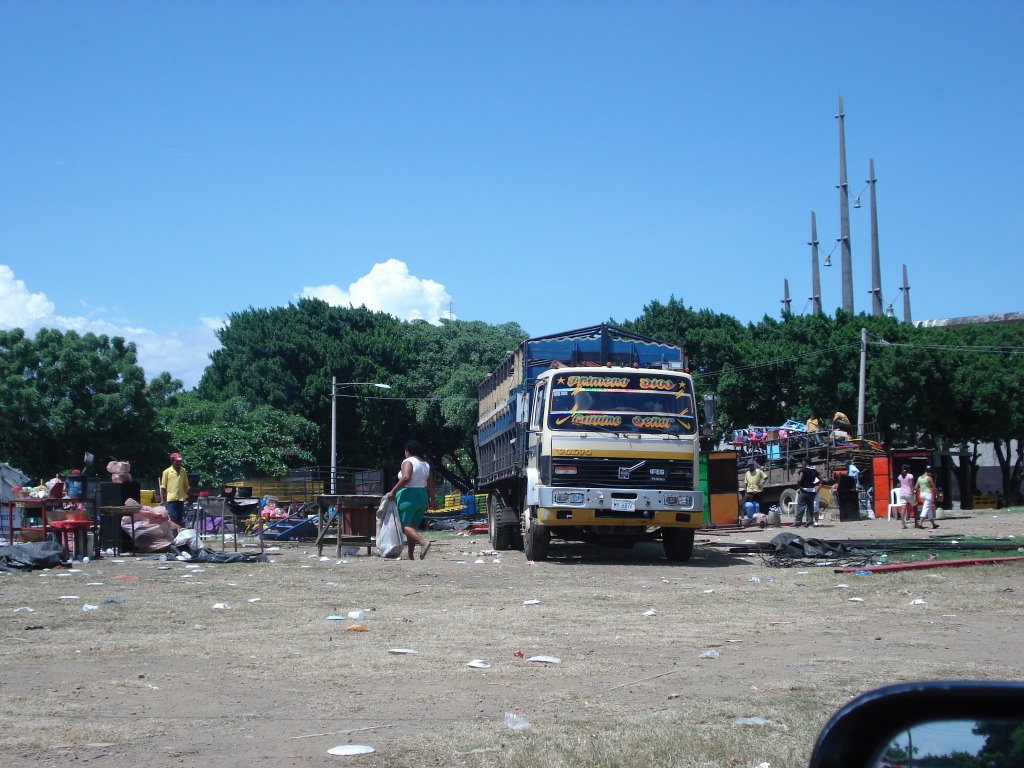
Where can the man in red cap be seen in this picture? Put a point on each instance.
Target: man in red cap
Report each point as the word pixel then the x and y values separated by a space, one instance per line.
pixel 174 489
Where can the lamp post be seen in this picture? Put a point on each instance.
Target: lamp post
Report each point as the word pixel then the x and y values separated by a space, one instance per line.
pixel 334 420
pixel 864 377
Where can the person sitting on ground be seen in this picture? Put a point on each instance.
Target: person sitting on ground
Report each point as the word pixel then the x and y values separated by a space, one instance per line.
pixel 753 486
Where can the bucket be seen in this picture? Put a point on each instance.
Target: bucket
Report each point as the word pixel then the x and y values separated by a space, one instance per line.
pixel 146 498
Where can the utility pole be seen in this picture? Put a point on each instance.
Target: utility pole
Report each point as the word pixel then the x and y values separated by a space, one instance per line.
pixel 876 262
pixel 905 289
pixel 844 215
pixel 786 303
pixel 815 277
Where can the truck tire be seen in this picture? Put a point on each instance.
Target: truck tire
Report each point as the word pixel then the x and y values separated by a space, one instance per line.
pixel 678 543
pixel 501 536
pixel 536 538
pixel 787 501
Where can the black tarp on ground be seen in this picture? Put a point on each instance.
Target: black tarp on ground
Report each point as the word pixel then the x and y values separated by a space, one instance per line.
pixel 792 545
pixel 28 557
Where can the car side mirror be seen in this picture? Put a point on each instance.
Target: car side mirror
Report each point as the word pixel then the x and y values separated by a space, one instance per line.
pixel 899 725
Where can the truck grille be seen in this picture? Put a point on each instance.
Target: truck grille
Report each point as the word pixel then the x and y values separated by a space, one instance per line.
pixel 624 473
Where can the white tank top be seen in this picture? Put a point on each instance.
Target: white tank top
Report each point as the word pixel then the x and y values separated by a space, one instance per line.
pixel 420 473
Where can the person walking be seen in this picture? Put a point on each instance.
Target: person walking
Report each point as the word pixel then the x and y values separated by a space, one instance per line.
pixel 174 489
pixel 414 494
pixel 807 482
pixel 926 487
pixel 906 494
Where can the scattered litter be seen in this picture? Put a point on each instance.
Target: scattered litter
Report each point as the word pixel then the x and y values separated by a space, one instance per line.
pixel 519 654
pixel 478 561
pixel 712 654
pixel 335 617
pixel 709 591
pixel 163 567
pixel 114 601
pixel 94 584
pixel 862 573
pixel 918 601
pixel 401 651
pixel 545 659
pixel 254 599
pixel 199 627
pixel 357 628
pixel 515 721
pixel 325 559
pixel 68 597
pixel 351 749
pixel 25 608
pixel 531 602
pixel 478 664
pixel 356 615
pixel 221 607
pixel 186 576
pixel 755 580
pixel 802 573
pixel 750 721
pixel 154 687
pixel 856 599
pixel 650 612
pixel 88 607
pixel 842 586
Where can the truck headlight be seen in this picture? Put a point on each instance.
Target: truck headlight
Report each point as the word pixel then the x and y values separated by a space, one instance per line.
pixel 568 497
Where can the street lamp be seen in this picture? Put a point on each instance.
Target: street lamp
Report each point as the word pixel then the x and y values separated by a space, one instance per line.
pixel 864 377
pixel 334 420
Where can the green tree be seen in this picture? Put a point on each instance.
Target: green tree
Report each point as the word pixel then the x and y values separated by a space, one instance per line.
pixel 452 359
pixel 286 357
pixel 234 439
pixel 64 394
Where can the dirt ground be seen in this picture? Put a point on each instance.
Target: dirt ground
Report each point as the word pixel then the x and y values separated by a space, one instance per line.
pixel 158 675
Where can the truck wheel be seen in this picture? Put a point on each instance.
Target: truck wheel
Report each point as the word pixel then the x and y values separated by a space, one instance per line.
pixel 500 535
pixel 787 501
pixel 678 543
pixel 537 538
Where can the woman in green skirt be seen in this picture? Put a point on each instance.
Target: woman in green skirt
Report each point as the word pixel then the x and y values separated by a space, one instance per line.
pixel 414 493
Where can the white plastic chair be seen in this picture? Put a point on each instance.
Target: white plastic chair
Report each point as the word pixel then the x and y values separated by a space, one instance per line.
pixel 895 506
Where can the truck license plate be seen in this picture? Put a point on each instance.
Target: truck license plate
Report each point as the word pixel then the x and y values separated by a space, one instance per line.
pixel 623 505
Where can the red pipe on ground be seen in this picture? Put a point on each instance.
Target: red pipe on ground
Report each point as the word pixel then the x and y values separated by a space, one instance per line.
pixel 927 564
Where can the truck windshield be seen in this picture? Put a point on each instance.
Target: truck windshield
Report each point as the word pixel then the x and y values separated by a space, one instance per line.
pixel 636 402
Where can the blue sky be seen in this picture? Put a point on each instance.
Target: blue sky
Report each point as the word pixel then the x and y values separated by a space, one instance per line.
pixel 165 164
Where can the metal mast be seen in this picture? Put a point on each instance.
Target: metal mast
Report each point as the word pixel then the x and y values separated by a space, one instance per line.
pixel 876 263
pixel 844 215
pixel 786 303
pixel 905 289
pixel 815 277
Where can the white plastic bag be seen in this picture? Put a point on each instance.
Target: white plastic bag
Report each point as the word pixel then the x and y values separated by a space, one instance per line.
pixel 390 539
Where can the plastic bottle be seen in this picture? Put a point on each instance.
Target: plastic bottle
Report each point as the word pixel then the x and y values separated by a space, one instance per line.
pixel 515 721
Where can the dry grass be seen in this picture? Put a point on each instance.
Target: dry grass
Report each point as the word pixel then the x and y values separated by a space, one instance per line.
pixel 165 679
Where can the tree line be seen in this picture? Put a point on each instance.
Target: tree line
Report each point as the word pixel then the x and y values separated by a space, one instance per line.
pixel 263 404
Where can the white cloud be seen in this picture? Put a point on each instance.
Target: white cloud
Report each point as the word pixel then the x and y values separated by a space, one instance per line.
pixel 18 306
pixel 388 287
pixel 184 352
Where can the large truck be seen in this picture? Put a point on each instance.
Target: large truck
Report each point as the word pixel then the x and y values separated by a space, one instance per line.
pixel 590 435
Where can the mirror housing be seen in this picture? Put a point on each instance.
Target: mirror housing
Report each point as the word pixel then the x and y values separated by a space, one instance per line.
pixel 857 734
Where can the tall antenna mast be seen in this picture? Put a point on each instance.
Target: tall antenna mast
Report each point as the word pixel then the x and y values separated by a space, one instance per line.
pixel 815 277
pixel 786 303
pixel 844 215
pixel 876 263
pixel 905 288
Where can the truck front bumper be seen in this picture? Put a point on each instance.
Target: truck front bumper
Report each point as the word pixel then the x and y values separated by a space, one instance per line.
pixel 619 507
